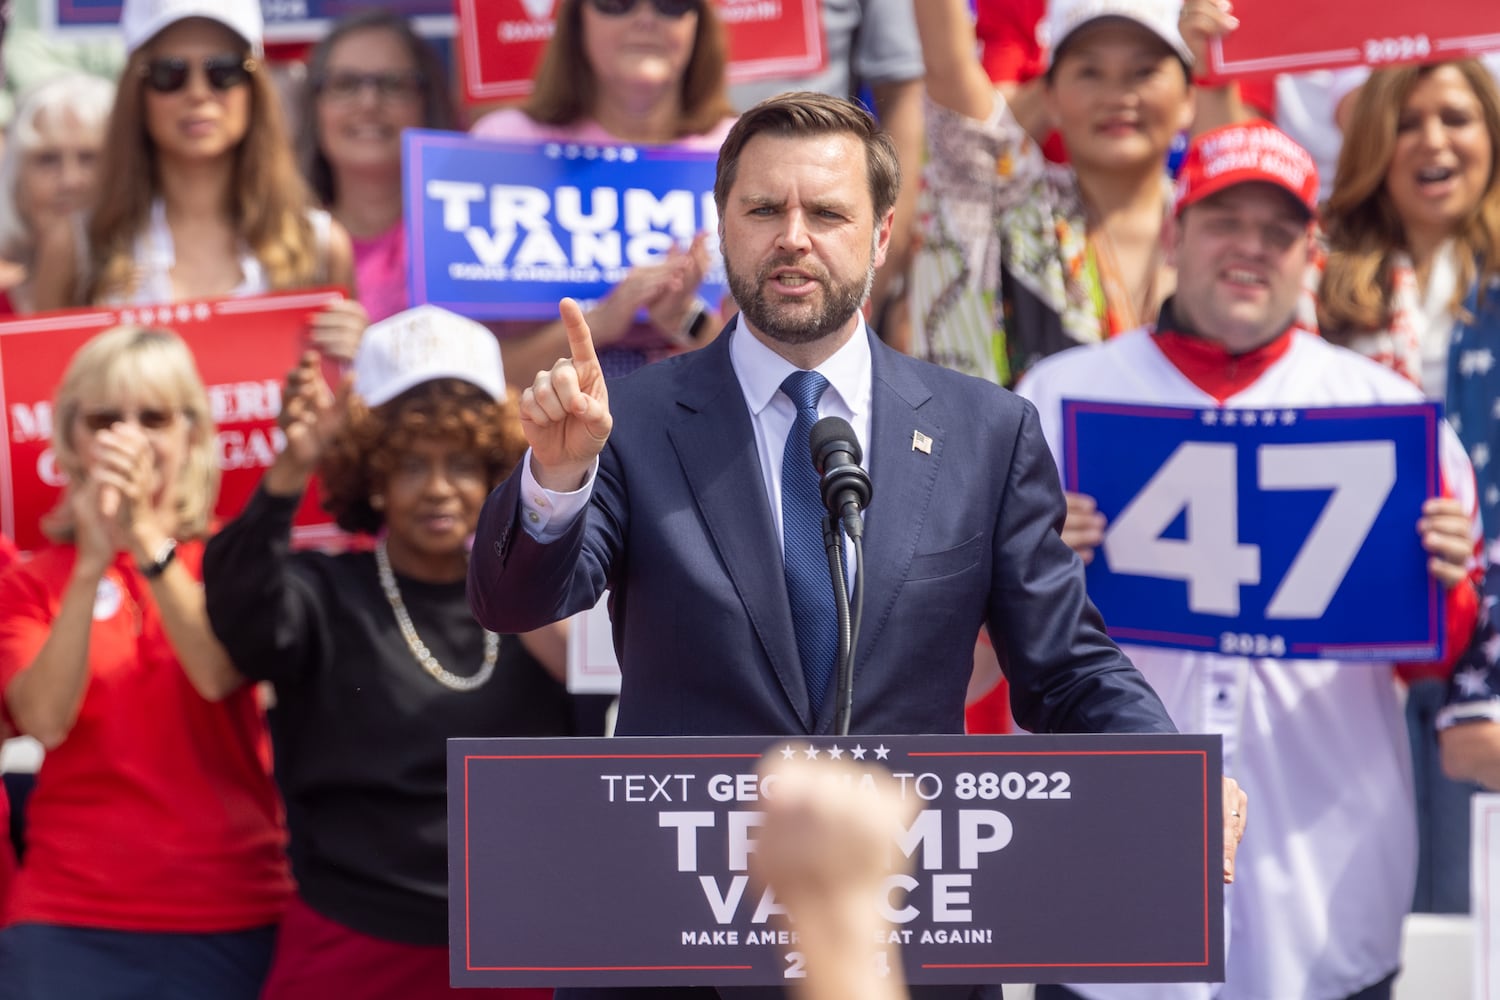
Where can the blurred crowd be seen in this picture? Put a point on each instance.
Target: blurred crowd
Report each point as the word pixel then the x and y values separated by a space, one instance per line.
pixel 239 758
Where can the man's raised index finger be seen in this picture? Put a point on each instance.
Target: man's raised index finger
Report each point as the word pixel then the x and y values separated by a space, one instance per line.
pixel 580 340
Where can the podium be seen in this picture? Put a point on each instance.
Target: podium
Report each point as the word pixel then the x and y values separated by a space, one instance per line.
pixel 622 862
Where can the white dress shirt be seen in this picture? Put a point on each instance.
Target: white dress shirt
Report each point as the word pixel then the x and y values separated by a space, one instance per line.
pixel 547 514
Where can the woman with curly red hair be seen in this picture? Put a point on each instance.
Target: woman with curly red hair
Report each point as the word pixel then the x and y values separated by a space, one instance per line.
pixel 374 656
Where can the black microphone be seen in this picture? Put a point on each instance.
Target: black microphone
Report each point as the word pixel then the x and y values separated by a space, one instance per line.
pixel 846 487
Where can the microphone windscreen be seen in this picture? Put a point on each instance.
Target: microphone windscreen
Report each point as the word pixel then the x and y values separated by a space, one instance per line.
pixel 830 432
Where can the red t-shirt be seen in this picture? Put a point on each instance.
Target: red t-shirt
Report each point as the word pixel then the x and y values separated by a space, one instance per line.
pixel 157 812
pixel 8 555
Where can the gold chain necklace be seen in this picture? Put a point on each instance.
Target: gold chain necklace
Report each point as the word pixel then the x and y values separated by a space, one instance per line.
pixel 418 647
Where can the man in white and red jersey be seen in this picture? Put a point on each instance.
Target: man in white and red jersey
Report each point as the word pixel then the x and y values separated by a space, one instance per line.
pixel 1326 872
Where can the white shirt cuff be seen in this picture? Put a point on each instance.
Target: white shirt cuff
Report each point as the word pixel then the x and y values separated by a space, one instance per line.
pixel 1486 710
pixel 547 515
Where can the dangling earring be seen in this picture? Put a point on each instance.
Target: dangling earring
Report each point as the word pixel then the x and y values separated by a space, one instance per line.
pixel 377 501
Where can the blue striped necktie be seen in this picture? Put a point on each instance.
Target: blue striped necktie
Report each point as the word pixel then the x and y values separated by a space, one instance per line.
pixel 808 584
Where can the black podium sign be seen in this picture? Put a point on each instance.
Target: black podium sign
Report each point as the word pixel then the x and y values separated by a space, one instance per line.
pixel 622 862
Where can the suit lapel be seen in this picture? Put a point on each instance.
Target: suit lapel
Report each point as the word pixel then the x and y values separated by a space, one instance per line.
pixel 904 479
pixel 715 444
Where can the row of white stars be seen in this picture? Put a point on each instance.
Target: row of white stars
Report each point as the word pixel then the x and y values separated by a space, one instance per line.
pixel 164 314
pixel 572 151
pixel 835 752
pixel 1248 417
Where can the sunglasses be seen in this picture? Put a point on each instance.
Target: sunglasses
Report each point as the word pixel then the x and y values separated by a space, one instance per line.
pixel 148 419
pixel 169 74
pixel 346 86
pixel 666 8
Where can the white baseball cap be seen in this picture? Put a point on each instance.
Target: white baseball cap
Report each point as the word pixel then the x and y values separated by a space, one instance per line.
pixel 143 20
pixel 421 344
pixel 1159 17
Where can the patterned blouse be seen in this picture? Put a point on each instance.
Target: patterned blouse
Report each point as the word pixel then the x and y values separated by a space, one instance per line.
pixel 1005 274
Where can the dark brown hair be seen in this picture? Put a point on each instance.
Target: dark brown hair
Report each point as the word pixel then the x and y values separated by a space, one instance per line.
pixel 565 89
pixel 806 113
pixel 437 100
pixel 359 461
pixel 1363 230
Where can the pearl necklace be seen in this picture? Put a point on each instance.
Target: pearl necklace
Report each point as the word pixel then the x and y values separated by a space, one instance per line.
pixel 418 647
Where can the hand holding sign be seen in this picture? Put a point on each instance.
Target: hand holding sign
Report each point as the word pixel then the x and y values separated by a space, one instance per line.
pixel 565 412
pixel 336 329
pixel 1200 22
pixel 1448 537
pixel 1083 530
pixel 311 414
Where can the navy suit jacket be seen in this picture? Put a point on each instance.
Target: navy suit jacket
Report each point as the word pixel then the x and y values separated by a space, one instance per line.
pixel 679 529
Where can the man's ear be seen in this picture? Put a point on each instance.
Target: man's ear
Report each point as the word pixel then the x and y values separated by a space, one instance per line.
pixel 883 236
pixel 1171 237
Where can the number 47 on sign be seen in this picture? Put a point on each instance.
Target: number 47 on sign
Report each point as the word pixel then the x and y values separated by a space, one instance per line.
pixel 1269 532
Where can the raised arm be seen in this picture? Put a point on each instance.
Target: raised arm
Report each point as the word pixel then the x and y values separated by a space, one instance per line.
pixel 955 79
pixel 266 621
pixel 1216 102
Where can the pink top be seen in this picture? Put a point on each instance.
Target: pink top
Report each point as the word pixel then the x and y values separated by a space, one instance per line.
pixel 380 272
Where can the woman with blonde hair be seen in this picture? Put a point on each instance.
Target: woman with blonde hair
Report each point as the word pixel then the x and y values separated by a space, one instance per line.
pixel 1413 280
pixel 47 172
pixel 1413 221
pixel 199 158
pixel 155 862
pixel 626 71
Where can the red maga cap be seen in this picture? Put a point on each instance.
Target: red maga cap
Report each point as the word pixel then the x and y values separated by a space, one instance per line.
pixel 1248 151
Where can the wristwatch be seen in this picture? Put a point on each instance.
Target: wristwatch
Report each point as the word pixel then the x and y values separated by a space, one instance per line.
pixel 695 320
pixel 164 556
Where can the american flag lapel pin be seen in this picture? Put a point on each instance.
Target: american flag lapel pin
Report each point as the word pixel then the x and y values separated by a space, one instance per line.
pixel 921 442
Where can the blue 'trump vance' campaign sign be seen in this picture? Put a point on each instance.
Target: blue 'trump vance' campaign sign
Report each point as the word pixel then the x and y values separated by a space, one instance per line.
pixel 1262 532
pixel 502 230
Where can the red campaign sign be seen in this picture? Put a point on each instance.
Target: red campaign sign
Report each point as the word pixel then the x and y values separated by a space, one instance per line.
pixel 243 347
pixel 502 41
pixel 1293 36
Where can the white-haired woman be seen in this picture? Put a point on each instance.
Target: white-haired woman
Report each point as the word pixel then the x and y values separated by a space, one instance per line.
pixel 47 173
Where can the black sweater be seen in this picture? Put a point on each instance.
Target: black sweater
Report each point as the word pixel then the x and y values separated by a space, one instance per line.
pixel 359 728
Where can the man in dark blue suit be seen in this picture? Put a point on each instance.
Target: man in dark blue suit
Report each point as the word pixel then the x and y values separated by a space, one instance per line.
pixel 682 510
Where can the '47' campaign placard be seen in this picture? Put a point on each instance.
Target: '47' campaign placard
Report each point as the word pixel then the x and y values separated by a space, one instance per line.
pixel 1262 532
